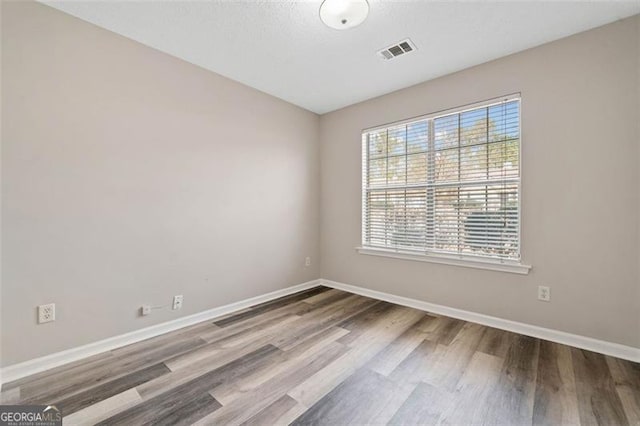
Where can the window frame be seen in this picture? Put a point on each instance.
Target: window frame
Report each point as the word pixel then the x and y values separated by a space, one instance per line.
pixel 465 260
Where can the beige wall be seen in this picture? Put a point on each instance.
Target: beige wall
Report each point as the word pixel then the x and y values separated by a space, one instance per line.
pixel 580 188
pixel 130 176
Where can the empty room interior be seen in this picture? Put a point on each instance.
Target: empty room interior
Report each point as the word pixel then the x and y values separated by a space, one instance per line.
pixel 338 212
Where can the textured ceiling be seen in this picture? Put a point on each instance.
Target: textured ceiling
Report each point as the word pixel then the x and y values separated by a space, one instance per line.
pixel 282 48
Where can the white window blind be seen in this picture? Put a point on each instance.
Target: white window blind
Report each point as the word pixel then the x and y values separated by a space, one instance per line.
pixel 446 184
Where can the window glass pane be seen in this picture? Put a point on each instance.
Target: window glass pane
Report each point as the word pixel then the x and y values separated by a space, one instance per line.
pixel 490 220
pixel 416 212
pixel 445 130
pixel 504 121
pixel 378 172
pixel 375 222
pixel 417 169
pixel 378 144
pixel 417 134
pixel 473 127
pixel 446 165
pixel 396 174
pixel 395 217
pixel 446 219
pixel 397 142
pixel 474 218
pixel 473 162
pixel 503 159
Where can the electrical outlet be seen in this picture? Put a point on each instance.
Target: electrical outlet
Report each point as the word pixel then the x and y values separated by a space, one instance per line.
pixel 177 302
pixel 544 293
pixel 307 261
pixel 145 309
pixel 46 313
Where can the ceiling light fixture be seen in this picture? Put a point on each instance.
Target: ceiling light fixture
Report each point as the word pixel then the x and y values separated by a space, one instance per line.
pixel 344 14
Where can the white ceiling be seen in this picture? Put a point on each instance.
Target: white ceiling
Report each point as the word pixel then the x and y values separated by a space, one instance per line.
pixel 282 48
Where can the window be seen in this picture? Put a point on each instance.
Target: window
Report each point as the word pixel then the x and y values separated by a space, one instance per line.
pixel 446 185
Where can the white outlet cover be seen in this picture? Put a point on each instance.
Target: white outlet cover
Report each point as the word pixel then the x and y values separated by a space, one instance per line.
pixel 177 302
pixel 46 313
pixel 544 293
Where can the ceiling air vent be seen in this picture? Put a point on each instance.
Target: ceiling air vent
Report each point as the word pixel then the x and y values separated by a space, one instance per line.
pixel 398 49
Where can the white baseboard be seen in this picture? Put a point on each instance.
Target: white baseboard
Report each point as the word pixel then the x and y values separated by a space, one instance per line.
pixel 37 365
pixel 23 369
pixel 595 345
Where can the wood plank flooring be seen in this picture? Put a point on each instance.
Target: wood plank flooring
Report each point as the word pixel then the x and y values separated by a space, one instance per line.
pixel 326 357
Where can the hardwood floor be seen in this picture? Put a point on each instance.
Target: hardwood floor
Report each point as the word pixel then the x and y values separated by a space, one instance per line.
pixel 324 356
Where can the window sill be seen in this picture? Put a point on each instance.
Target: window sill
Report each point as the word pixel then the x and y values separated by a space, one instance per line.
pixel 465 261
